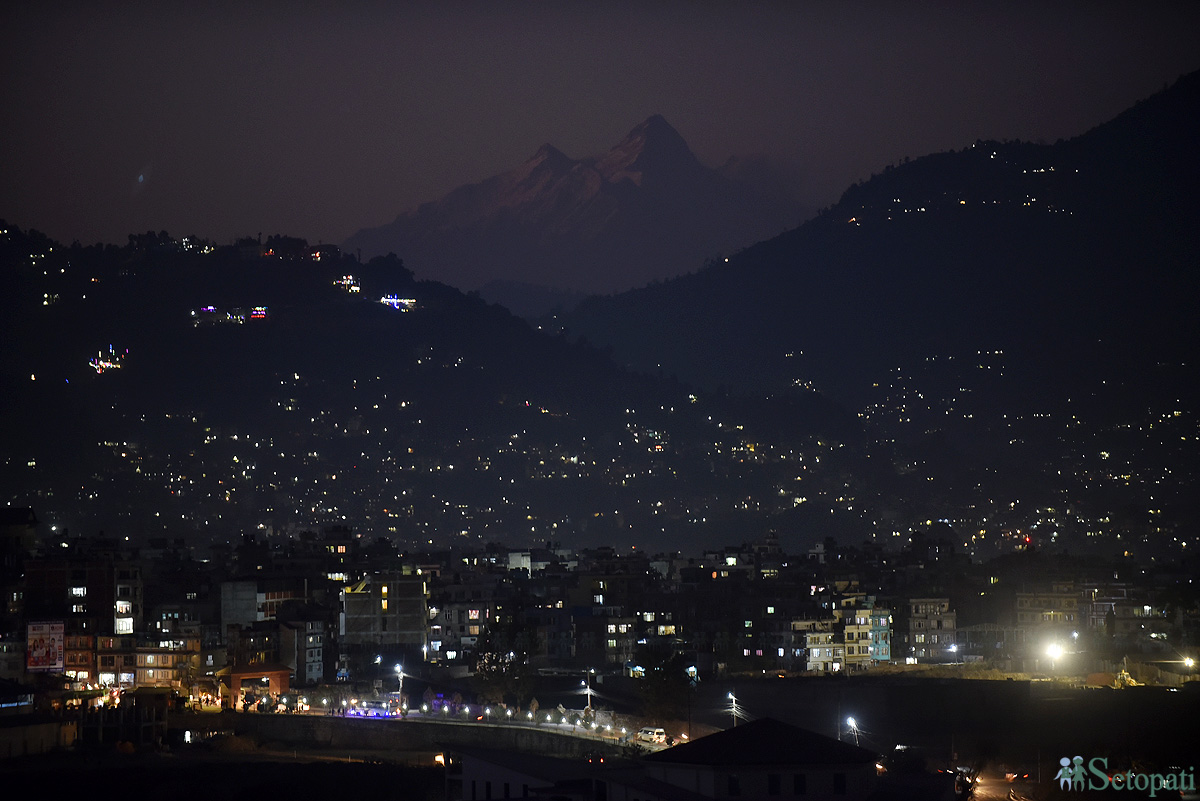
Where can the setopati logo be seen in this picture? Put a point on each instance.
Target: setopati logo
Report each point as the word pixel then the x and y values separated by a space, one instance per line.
pixel 1094 775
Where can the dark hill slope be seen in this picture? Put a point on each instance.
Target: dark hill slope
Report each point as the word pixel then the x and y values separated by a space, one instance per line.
pixel 261 394
pixel 1065 254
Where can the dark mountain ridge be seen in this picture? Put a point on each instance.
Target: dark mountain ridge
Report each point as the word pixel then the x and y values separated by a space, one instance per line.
pixel 1075 253
pixel 158 391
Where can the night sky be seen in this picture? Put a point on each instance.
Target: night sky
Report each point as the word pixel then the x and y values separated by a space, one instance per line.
pixel 316 119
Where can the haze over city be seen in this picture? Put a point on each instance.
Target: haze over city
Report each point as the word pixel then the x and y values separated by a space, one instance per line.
pixel 647 402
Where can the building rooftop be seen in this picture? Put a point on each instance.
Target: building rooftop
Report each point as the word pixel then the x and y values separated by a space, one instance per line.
pixel 764 742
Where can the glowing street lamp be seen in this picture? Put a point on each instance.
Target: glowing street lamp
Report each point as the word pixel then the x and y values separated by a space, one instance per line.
pixel 1055 652
pixel 733 707
pixel 853 724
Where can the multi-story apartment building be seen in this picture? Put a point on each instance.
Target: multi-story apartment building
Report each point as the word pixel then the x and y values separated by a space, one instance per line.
pixel 856 634
pixel 1053 609
pixel 881 634
pixel 95 590
pixel 826 646
pixel 387 612
pixel 116 660
pixel 18 538
pixel 553 633
pixel 932 627
pixel 159 666
pixel 307 644
pixel 456 626
pixel 254 600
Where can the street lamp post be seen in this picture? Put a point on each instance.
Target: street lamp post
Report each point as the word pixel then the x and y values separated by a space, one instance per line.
pixel 588 684
pixel 733 707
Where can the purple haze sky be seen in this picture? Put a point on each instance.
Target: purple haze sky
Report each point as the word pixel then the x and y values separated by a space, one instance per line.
pixel 316 119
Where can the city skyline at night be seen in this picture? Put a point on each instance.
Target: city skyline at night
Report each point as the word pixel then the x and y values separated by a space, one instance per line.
pixel 628 401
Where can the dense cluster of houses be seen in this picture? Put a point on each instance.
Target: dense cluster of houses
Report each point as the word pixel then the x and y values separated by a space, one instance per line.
pixel 332 606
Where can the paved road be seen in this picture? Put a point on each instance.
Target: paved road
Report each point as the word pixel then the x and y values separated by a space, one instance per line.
pixel 991 785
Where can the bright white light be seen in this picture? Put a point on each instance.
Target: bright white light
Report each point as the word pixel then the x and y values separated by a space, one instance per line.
pixel 851 723
pixel 1054 650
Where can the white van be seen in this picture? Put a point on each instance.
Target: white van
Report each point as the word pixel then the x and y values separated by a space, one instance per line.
pixel 651 734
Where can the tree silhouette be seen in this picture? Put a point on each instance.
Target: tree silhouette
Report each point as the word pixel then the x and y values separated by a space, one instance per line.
pixel 664 690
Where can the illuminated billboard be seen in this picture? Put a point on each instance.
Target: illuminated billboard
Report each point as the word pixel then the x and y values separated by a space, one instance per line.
pixel 44 648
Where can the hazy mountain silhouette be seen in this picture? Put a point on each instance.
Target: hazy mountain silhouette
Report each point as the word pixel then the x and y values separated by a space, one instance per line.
pixel 1074 257
pixel 645 210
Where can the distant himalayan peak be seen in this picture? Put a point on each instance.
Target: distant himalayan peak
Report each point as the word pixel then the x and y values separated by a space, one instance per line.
pixel 650 145
pixel 645 209
pixel 550 155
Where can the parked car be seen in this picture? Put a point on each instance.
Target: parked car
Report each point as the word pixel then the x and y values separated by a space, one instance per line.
pixel 652 734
